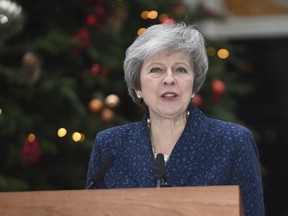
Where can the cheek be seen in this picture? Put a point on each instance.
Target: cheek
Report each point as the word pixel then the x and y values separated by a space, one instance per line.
pixel 148 83
pixel 188 85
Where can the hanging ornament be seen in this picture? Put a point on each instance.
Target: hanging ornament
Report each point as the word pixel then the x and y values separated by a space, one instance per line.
pixel 95 105
pixel 31 151
pixel 197 100
pixel 83 38
pixel 91 20
pixel 31 68
pixel 104 72
pixel 97 17
pixel 112 101
pixel 100 12
pixel 107 115
pixel 218 87
pixel 97 69
pixel 11 19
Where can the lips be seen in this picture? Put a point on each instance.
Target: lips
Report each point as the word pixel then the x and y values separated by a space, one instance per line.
pixel 169 95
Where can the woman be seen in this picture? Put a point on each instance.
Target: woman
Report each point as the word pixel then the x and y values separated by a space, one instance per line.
pixel 164 68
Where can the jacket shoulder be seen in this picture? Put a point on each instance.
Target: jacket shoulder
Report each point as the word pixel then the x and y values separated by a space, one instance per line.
pixel 225 127
pixel 117 131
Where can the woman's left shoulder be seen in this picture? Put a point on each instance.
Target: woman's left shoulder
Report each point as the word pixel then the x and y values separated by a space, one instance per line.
pixel 234 135
pixel 229 128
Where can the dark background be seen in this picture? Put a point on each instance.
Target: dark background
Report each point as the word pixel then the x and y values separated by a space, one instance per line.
pixel 266 110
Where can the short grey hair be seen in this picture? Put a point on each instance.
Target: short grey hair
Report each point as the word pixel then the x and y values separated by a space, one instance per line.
pixel 160 38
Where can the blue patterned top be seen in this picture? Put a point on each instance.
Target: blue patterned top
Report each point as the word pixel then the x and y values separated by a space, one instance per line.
pixel 208 152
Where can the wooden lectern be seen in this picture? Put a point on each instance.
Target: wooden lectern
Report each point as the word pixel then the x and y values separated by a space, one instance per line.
pixel 195 201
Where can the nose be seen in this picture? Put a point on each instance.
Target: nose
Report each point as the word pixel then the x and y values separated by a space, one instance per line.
pixel 169 79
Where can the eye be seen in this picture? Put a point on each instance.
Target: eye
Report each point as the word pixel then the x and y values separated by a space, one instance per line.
pixel 181 70
pixel 155 69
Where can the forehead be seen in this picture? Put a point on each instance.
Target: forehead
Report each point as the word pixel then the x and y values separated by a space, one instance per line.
pixel 171 55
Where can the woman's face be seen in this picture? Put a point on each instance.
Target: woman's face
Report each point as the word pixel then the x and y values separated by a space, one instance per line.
pixel 166 84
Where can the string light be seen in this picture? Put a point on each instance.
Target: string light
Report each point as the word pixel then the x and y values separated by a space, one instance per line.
pixel 149 14
pixel 77 137
pixel 144 15
pixel 223 53
pixel 82 137
pixel 31 137
pixel 140 31
pixel 61 132
pixel 153 14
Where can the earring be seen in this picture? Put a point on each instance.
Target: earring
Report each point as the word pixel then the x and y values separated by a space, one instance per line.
pixel 192 96
pixel 187 114
pixel 139 96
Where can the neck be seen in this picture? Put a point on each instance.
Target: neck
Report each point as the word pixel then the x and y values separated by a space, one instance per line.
pixel 165 133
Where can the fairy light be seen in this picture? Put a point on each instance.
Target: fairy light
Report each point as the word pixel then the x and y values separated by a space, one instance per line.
pixel 144 15
pixel 153 14
pixel 31 137
pixel 140 31
pixel 223 53
pixel 149 14
pixel 78 137
pixel 61 132
pixel 82 137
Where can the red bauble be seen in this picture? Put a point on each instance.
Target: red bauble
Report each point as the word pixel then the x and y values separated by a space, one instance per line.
pixel 218 86
pixel 82 36
pixel 100 12
pixel 197 100
pixel 95 68
pixel 92 20
pixel 31 151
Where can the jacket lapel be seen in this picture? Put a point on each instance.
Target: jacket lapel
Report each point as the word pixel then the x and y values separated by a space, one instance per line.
pixel 183 161
pixel 139 156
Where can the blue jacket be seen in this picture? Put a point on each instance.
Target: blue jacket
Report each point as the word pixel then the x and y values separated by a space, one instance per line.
pixel 209 152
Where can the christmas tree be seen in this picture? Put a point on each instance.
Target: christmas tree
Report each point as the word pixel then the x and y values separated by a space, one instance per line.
pixel 61 82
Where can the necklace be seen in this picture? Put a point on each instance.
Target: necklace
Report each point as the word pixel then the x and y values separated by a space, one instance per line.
pixel 166 157
pixel 148 120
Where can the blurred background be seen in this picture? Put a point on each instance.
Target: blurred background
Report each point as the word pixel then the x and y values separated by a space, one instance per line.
pixel 61 81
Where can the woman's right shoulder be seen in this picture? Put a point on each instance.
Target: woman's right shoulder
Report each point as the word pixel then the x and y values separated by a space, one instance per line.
pixel 118 131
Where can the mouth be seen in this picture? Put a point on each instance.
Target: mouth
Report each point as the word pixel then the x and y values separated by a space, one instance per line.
pixel 169 95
